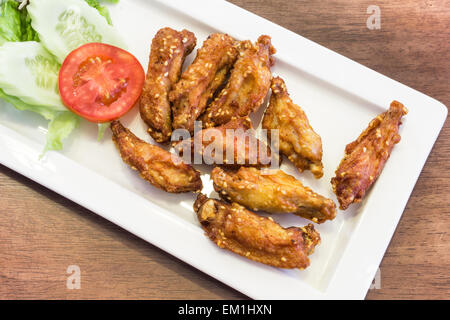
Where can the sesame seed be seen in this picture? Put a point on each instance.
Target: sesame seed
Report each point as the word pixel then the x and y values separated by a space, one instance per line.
pixel 378 133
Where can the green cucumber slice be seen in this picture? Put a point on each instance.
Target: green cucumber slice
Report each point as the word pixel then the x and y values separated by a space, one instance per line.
pixel 30 73
pixel 63 26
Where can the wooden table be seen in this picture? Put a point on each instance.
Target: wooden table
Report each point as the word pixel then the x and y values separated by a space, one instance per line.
pixel 42 233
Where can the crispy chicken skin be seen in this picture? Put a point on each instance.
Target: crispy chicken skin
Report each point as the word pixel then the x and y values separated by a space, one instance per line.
pixel 202 79
pixel 260 239
pixel 273 191
pixel 298 141
pixel 168 52
pixel 155 164
pixel 215 146
pixel 366 156
pixel 248 85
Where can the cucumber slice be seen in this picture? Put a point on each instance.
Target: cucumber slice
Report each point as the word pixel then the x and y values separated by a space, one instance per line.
pixel 63 26
pixel 29 72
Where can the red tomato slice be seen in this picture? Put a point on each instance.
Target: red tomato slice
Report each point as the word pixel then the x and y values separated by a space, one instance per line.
pixel 100 82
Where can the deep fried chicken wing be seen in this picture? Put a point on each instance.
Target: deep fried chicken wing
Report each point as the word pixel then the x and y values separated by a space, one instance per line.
pixel 298 141
pixel 366 156
pixel 231 144
pixel 273 191
pixel 260 239
pixel 248 84
pixel 202 79
pixel 168 52
pixel 155 164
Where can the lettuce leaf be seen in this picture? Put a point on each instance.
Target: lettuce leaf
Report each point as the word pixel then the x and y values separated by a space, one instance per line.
pixel 45 112
pixel 28 33
pixel 101 130
pixel 60 126
pixel 10 22
pixel 15 24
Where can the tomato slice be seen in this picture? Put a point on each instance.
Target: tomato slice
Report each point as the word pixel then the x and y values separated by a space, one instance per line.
pixel 100 82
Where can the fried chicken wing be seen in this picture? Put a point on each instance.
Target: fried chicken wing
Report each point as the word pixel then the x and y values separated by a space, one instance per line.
pixel 202 79
pixel 231 144
pixel 273 192
pixel 298 141
pixel 366 156
pixel 248 84
pixel 260 239
pixel 168 52
pixel 155 164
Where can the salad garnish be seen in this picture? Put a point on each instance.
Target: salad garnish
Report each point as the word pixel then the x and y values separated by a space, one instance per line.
pixel 35 38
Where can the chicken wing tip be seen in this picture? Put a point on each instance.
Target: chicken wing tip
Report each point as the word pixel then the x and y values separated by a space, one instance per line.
pixel 278 86
pixel 395 105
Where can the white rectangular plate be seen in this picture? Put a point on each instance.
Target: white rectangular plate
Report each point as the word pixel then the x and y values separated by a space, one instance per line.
pixel 339 96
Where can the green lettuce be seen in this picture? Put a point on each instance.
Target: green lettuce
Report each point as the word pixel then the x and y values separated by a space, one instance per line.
pixel 15 24
pixel 59 128
pixel 61 124
pixel 10 22
pixel 101 130
pixel 28 33
pixel 45 112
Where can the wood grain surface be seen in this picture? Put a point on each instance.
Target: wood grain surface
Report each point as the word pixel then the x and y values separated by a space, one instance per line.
pixel 42 233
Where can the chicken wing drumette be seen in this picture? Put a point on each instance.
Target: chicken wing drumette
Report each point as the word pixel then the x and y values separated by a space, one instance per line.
pixel 248 84
pixel 168 52
pixel 232 144
pixel 366 156
pixel 260 239
pixel 298 141
pixel 202 79
pixel 161 168
pixel 273 191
